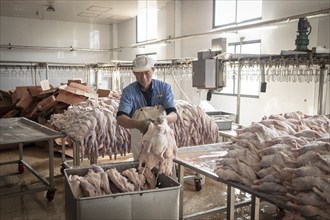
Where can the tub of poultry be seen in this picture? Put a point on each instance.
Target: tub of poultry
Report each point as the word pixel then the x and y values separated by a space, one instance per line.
pixel 161 202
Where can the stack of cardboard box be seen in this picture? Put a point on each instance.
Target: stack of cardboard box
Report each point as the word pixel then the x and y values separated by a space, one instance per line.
pixel 39 102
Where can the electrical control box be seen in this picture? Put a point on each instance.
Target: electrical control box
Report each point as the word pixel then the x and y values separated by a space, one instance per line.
pixel 204 73
pixel 207 71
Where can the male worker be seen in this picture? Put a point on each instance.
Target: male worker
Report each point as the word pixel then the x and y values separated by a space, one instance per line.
pixel 144 93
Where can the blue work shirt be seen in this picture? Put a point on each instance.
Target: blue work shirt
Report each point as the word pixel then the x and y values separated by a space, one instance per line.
pixel 133 98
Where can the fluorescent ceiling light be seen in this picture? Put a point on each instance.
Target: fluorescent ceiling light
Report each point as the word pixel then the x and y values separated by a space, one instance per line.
pixel 88 15
pixel 98 9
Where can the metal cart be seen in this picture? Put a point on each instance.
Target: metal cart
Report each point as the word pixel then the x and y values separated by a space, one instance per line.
pixel 20 131
pixel 201 159
pixel 159 203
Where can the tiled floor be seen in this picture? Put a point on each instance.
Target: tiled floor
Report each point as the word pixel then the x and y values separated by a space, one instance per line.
pixel 36 206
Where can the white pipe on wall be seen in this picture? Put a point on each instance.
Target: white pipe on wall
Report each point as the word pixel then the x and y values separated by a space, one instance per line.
pixel 285 20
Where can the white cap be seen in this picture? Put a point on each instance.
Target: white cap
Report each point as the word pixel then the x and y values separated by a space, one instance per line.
pixel 143 64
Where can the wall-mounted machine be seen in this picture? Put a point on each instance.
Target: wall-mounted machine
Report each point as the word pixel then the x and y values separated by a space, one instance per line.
pixel 304 29
pixel 208 72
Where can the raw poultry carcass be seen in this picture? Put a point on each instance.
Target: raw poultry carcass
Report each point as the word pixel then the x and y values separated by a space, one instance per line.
pixel 307 198
pixel 285 148
pixel 75 185
pixel 99 180
pixel 257 127
pixel 278 158
pixel 240 168
pixel 134 177
pixel 273 187
pixel 193 126
pixel 93 124
pixel 158 147
pixel 283 126
pixel 315 146
pixel 315 159
pixel 94 179
pixel 311 211
pixel 149 179
pixel 303 171
pixel 294 160
pixel 308 182
pixel 119 180
pixel 293 141
pixel 87 188
pixel 295 115
pixel 228 174
pixel 308 134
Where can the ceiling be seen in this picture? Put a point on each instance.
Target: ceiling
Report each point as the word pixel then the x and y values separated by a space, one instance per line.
pixel 97 12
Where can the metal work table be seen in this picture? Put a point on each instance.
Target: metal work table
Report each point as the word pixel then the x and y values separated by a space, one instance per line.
pixel 226 135
pixel 201 159
pixel 20 131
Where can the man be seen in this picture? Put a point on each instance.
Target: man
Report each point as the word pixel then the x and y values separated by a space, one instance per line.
pixel 145 92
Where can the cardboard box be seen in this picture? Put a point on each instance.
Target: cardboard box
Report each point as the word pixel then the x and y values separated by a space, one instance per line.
pixel 25 101
pixel 103 92
pixel 80 87
pixel 69 98
pixel 47 103
pixel 34 90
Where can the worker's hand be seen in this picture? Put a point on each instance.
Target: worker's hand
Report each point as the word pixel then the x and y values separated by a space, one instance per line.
pixel 144 125
pixel 161 119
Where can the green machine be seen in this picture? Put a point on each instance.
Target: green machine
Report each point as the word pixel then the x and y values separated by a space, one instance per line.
pixel 302 34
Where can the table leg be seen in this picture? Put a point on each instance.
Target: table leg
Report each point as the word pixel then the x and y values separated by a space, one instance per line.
pixel 20 151
pixel 230 202
pixel 63 149
pixel 181 181
pixel 255 207
pixel 51 163
pixel 76 159
pixel 78 153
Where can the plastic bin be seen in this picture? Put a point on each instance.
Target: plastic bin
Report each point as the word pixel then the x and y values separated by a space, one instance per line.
pixel 159 203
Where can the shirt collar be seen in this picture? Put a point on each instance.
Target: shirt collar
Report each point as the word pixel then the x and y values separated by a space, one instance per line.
pixel 151 88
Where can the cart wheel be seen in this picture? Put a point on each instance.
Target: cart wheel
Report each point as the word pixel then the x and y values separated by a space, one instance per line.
pixel 198 185
pixel 20 168
pixel 50 195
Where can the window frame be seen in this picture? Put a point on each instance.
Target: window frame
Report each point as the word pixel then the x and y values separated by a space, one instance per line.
pixel 232 23
pixel 151 54
pixel 137 29
pixel 234 91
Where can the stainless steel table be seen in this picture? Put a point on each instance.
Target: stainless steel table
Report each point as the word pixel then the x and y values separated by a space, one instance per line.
pixel 201 159
pixel 20 131
pixel 226 135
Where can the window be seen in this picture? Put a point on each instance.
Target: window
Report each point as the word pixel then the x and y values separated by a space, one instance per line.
pixel 250 76
pixel 146 23
pixel 229 12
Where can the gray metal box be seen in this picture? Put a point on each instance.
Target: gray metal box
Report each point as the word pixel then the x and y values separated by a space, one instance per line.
pixel 223 124
pixel 224 115
pixel 207 54
pixel 159 203
pixel 204 74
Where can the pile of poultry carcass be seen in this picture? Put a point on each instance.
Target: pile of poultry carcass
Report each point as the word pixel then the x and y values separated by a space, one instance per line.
pixel 287 156
pixel 158 147
pixel 99 182
pixel 193 126
pixel 93 124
